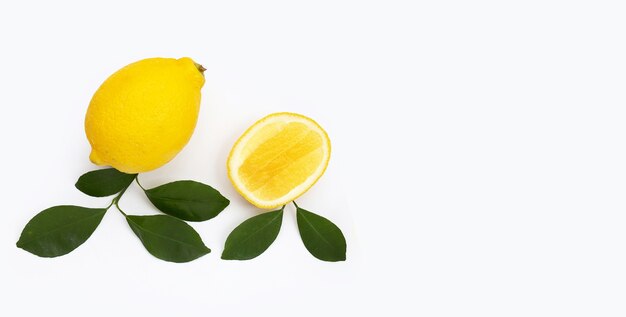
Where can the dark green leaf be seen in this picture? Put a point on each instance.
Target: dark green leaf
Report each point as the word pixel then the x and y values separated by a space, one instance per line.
pixel 253 236
pixel 104 182
pixel 59 230
pixel 188 200
pixel 168 238
pixel 321 237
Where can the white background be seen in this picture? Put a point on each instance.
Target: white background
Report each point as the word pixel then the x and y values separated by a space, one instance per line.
pixel 478 163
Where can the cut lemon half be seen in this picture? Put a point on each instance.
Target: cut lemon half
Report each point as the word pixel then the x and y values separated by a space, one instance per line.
pixel 278 159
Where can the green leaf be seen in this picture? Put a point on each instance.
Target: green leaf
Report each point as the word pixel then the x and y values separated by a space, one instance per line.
pixel 321 237
pixel 59 230
pixel 188 200
pixel 168 238
pixel 104 182
pixel 253 236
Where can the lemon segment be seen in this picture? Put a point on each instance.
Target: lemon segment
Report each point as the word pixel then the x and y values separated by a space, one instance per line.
pixel 278 159
pixel 144 114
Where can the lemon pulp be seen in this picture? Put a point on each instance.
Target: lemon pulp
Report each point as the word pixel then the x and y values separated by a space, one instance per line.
pixel 278 159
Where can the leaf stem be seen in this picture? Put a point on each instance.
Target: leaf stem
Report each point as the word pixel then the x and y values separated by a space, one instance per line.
pixel 117 205
pixel 111 204
pixel 138 183
pixel 116 200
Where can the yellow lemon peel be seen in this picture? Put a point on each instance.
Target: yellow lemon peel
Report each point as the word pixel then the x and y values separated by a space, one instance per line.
pixel 143 115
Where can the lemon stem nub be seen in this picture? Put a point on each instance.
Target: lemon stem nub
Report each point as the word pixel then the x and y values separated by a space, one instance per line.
pixel 200 68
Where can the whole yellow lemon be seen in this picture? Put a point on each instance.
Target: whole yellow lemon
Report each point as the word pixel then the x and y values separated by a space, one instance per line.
pixel 144 114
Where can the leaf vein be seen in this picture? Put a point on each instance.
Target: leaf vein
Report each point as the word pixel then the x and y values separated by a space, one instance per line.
pixel 257 231
pixel 166 237
pixel 318 233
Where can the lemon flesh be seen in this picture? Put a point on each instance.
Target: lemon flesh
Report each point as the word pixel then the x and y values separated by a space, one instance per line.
pixel 278 159
pixel 144 114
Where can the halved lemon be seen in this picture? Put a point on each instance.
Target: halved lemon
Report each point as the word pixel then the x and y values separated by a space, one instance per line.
pixel 278 159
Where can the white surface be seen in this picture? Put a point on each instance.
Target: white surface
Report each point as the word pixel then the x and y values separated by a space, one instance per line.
pixel 478 161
